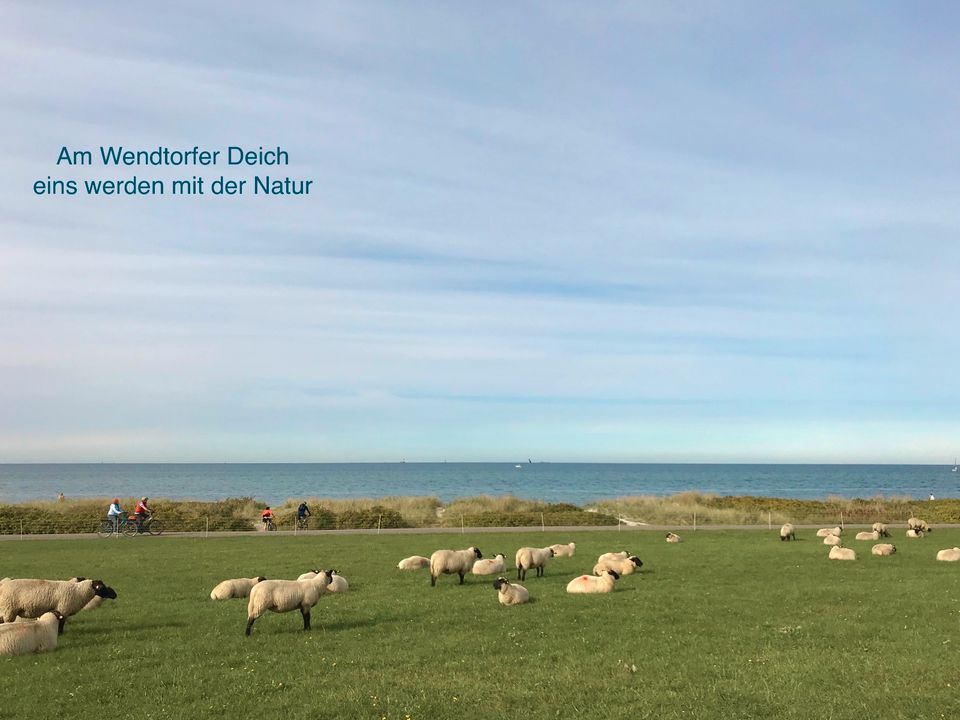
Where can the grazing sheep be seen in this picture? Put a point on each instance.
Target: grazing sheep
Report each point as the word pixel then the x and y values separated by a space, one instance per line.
pixel 450 562
pixel 593 584
pixel 787 532
pixel 919 525
pixel 842 553
pixel 564 550
pixel 949 555
pixel 879 527
pixel 510 594
pixel 281 596
pixel 35 636
pixel 32 598
pixel 874 536
pixel 673 538
pixel 414 562
pixel 623 554
pixel 626 566
pixel 490 566
pixel 529 558
pixel 236 588
pixel 912 533
pixel 823 532
pixel 338 583
pixel 883 549
pixel 832 540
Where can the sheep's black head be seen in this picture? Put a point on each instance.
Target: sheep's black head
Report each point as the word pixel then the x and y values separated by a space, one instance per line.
pixel 79 578
pixel 103 590
pixel 669 534
pixel 636 561
pixel 552 553
pixel 500 582
pixel 614 574
pixel 260 578
pixel 328 574
pixel 476 551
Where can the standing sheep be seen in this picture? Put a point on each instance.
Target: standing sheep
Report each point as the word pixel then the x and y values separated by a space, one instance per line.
pixel 874 536
pixel 497 564
pixel 529 558
pixel 949 555
pixel 593 584
pixel 510 594
pixel 32 598
pixel 842 553
pixel 281 596
pixel 883 549
pixel 30 637
pixel 450 562
pixel 235 588
pixel 564 550
pixel 414 562
pixel 918 525
pixel 832 540
pixel 673 538
pixel 787 532
pixel 626 566
pixel 879 527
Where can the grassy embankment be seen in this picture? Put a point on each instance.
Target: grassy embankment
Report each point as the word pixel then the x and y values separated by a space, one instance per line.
pixel 724 625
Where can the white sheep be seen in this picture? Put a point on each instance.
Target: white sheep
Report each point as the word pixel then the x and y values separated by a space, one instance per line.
pixel 874 536
pixel 309 575
pixel 490 566
pixel 529 558
pixel 626 566
pixel 832 540
pixel 450 562
pixel 673 538
pixel 823 532
pixel 95 602
pixel 788 532
pixel 414 562
pixel 879 527
pixel 281 596
pixel 614 556
pixel 235 588
pixel 918 524
pixel 949 555
pixel 593 584
pixel 883 549
pixel 564 550
pixel 30 637
pixel 510 594
pixel 338 583
pixel 913 533
pixel 32 598
pixel 842 553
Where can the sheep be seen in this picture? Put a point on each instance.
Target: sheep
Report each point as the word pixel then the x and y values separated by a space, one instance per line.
pixel 874 536
pixel 823 532
pixel 673 538
pixel 883 549
pixel 912 533
pixel 626 566
pixel 281 596
pixel 529 558
pixel 338 583
pixel 593 584
pixel 623 554
pixel 564 550
pixel 32 598
pixel 832 540
pixel 918 524
pixel 881 528
pixel 949 555
pixel 31 637
pixel 449 562
pixel 510 594
pixel 309 575
pixel 414 562
pixel 490 567
pixel 842 553
pixel 236 588
pixel 787 532
pixel 95 602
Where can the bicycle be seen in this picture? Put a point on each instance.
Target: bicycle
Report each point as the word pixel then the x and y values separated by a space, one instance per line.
pixel 268 524
pixel 303 522
pixel 117 526
pixel 147 527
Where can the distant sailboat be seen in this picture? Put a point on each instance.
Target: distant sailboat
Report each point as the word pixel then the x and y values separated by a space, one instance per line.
pixel 955 468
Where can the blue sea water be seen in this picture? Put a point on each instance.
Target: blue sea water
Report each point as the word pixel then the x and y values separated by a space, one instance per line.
pixel 577 483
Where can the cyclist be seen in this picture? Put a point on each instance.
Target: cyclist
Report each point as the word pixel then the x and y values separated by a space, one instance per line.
pixel 143 513
pixel 266 517
pixel 115 513
pixel 303 512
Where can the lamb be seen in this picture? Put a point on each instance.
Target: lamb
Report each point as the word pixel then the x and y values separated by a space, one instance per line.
pixel 622 555
pixel 30 637
pixel 529 558
pixel 913 533
pixel 881 528
pixel 673 538
pixel 490 567
pixel 32 598
pixel 236 588
pixel 883 549
pixel 787 532
pixel 874 536
pixel 626 566
pixel 918 524
pixel 414 562
pixel 281 596
pixel 593 584
pixel 338 583
pixel 564 550
pixel 949 555
pixel 823 532
pixel 832 540
pixel 510 594
pixel 842 553
pixel 449 562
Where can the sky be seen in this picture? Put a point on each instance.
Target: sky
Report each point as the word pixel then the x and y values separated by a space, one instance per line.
pixel 611 231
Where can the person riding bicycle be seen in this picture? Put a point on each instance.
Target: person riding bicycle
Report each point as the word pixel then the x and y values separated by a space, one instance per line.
pixel 303 512
pixel 115 513
pixel 266 517
pixel 143 512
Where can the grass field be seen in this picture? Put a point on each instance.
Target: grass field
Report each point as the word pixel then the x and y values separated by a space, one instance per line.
pixel 724 625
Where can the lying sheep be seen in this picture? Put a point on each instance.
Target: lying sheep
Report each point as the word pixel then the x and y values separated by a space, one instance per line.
pixel 30 637
pixel 879 527
pixel 338 583
pixel 564 550
pixel 593 584
pixel 823 532
pixel 490 566
pixel 235 588
pixel 673 538
pixel 949 555
pixel 32 598
pixel 529 558
pixel 414 562
pixel 787 532
pixel 883 549
pixel 842 553
pixel 874 536
pixel 281 596
pixel 614 556
pixel 625 566
pixel 510 594
pixel 450 562
pixel 832 540
pixel 918 524
pixel 912 533
pixel 309 575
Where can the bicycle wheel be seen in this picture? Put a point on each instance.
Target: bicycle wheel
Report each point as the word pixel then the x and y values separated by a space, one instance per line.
pixel 155 528
pixel 106 529
pixel 129 529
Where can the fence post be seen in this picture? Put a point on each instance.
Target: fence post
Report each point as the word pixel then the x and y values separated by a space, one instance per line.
pixel 769 520
pixel 543 526
pixel 379 519
pixel 694 520
pixel 21 528
pixel 461 524
pixel 208 527
pixel 841 519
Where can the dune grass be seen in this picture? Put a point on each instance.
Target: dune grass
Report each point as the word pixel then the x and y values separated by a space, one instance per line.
pixel 724 625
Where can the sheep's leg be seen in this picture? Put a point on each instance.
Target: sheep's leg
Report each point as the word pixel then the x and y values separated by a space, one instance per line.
pixel 60 624
pixel 250 626
pixel 306 618
pixel 461 577
pixel 433 580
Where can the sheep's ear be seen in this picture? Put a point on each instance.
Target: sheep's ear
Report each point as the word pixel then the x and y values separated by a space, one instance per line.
pixel 98 583
pixel 260 578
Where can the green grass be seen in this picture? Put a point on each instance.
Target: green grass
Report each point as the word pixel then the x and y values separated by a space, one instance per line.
pixel 724 625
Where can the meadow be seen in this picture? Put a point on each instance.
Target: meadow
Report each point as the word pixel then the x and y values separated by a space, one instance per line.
pixel 727 624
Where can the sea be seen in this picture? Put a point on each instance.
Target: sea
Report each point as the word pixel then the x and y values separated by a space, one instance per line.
pixel 577 483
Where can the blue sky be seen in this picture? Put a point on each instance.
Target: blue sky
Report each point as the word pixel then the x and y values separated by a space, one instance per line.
pixel 567 231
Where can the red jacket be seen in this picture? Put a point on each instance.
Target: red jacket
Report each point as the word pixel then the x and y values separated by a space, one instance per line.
pixel 142 509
